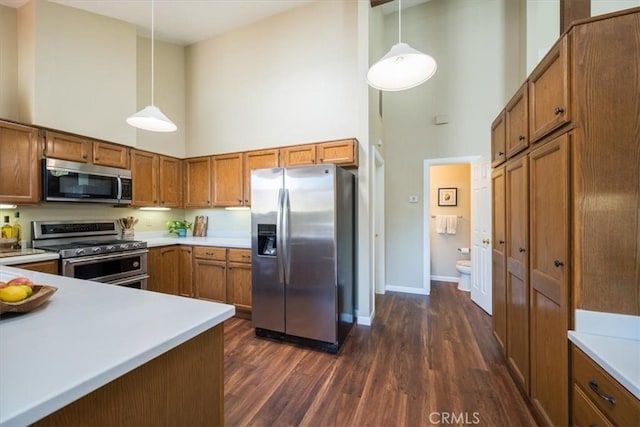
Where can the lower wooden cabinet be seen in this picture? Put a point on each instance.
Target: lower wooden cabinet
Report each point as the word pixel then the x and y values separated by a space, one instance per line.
pixel 186 271
pixel 210 273
pixel 50 267
pixel 164 271
pixel 239 281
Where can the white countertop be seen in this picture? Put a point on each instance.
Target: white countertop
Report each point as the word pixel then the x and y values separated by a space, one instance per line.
pixel 22 259
pixel 227 242
pixel 613 342
pixel 85 336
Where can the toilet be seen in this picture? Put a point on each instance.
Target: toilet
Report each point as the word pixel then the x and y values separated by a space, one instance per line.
pixel 464 268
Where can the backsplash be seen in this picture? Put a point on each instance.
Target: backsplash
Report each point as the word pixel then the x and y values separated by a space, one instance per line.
pixel 221 221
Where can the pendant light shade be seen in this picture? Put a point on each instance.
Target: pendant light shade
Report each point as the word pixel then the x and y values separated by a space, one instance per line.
pixel 150 117
pixel 403 67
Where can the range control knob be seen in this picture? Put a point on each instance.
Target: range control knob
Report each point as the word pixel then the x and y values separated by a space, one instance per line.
pixel 96 250
pixel 137 245
pixel 111 248
pixel 124 246
pixel 79 251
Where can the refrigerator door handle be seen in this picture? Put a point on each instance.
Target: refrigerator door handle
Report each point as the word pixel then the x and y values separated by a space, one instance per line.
pixel 279 238
pixel 285 235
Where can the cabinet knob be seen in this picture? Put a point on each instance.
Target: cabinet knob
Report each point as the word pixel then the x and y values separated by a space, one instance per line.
pixel 522 250
pixel 155 201
pixel 558 263
pixel 239 200
pixel 501 242
pixel 521 138
pixel 97 158
pixel 500 153
pixel 85 157
pixel 558 110
pixel 246 201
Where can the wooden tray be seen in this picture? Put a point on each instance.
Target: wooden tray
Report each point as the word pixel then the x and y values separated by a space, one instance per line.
pixel 41 293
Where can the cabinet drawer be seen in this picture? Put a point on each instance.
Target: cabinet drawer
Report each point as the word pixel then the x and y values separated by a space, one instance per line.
pixel 597 385
pixel 240 255
pixel 585 413
pixel 209 252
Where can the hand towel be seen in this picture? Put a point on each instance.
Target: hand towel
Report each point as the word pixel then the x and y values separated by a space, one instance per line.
pixel 441 224
pixel 452 224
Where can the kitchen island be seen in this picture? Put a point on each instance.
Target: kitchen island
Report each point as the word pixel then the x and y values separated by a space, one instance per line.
pixel 110 355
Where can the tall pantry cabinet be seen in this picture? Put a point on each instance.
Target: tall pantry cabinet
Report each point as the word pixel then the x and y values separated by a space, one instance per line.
pixel 566 194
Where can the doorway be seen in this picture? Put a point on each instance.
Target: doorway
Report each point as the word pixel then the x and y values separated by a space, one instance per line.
pixel 479 190
pixel 378 225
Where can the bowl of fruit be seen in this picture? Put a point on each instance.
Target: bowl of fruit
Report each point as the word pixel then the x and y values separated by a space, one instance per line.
pixel 21 295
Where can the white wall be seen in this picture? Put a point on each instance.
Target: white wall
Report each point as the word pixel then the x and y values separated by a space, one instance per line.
pixel 80 71
pixel 599 7
pixel 444 247
pixel 8 63
pixel 169 95
pixel 286 80
pixel 468 39
pixel 543 29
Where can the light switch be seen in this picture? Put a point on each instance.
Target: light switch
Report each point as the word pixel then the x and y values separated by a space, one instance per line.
pixel 413 199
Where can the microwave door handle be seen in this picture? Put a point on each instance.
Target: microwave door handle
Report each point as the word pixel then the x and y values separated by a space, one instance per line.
pixel 119 195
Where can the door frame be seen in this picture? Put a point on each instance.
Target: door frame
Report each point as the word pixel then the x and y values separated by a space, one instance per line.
pixel 378 271
pixel 426 211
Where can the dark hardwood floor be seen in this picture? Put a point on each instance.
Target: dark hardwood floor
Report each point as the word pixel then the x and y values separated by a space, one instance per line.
pixel 426 360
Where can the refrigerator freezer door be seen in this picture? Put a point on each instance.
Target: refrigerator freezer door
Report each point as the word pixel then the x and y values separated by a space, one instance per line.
pixel 311 253
pixel 267 280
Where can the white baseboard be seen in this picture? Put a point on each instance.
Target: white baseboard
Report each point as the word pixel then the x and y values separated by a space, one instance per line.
pixel 406 289
pixel 452 279
pixel 366 320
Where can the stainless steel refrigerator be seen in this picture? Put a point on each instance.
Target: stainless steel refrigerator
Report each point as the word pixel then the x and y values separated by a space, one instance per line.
pixel 302 243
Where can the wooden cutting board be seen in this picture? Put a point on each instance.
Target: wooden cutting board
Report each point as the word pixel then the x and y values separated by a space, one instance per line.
pixel 200 226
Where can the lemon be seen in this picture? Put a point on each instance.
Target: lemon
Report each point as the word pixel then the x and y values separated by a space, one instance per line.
pixel 12 294
pixel 26 288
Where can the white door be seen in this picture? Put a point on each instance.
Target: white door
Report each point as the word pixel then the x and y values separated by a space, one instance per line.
pixel 481 234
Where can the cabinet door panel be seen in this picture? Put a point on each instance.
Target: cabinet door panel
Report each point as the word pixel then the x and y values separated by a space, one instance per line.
pixel 343 153
pixel 549 103
pixel 257 160
pixel 498 140
pixel 498 258
pixel 517 131
pixel 197 182
pixel 211 280
pixel 298 155
pixel 19 164
pixel 227 180
pixel 170 189
pixel 68 147
pixel 186 271
pixel 112 155
pixel 144 168
pixel 239 286
pixel 50 267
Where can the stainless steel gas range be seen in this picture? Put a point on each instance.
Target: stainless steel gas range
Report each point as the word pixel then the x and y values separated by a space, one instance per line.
pixel 91 250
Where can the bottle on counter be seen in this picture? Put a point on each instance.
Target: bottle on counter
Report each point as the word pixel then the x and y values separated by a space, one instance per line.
pixel 17 231
pixel 7 230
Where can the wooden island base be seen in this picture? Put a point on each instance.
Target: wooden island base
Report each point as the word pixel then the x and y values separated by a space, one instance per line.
pixel 181 387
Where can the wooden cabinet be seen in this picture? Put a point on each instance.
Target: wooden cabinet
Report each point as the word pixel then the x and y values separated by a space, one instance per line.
pixel 163 266
pixel 50 266
pixel 549 103
pixel 210 273
pixel 298 155
pixel 499 265
pixel 228 176
pixel 258 159
pixel 19 164
pixel 197 182
pixel 517 125
pixel 185 261
pixel 498 135
pixel 517 277
pixel 239 281
pixel 549 267
pixel 156 180
pixel 594 390
pixel 343 152
pixel 84 150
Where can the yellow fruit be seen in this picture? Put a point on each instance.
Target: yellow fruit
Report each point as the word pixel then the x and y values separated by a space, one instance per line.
pixel 12 294
pixel 27 288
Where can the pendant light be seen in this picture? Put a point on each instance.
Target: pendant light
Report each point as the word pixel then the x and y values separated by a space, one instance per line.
pixel 403 67
pixel 150 117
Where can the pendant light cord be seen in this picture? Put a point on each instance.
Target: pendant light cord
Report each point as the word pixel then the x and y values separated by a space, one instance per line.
pixel 399 21
pixel 152 51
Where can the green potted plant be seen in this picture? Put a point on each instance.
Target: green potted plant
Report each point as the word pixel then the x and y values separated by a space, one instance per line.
pixel 179 227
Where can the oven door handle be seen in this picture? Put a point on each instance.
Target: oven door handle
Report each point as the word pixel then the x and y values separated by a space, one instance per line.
pixel 92 259
pixel 128 280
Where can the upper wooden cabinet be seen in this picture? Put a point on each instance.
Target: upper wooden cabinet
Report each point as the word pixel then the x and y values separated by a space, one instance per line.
pixel 498 135
pixel 549 88
pixel 84 150
pixel 343 152
pixel 517 129
pixel 19 164
pixel 298 155
pixel 197 182
pixel 259 159
pixel 156 180
pixel 228 178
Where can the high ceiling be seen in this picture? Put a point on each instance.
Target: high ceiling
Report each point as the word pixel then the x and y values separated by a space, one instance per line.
pixel 188 21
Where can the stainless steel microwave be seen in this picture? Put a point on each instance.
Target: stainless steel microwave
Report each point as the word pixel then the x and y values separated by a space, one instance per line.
pixel 65 181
